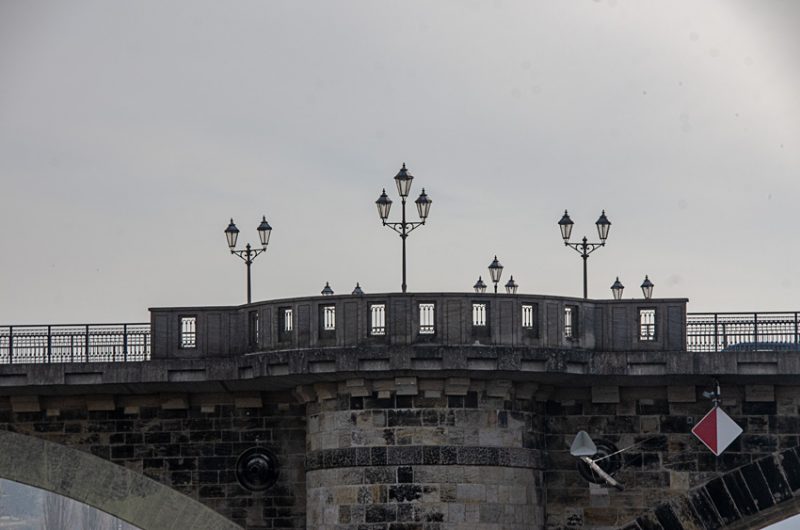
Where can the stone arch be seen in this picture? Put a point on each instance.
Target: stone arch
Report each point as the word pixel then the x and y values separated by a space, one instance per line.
pixel 123 493
pixel 749 497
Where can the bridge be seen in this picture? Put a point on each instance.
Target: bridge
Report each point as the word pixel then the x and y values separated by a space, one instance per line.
pixel 404 411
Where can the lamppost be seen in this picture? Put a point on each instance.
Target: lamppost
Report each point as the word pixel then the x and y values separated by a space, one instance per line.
pixel 249 254
pixel 403 228
pixel 584 248
pixel 479 286
pixel 495 270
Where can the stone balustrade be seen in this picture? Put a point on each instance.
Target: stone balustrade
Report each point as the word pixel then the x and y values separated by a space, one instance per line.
pixel 446 319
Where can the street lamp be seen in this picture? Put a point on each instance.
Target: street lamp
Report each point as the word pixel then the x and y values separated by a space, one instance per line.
pixel 584 248
pixel 647 288
pixel 617 288
pixel 479 286
pixel 327 291
pixel 248 255
pixel 403 228
pixel 495 270
pixel 357 291
pixel 511 286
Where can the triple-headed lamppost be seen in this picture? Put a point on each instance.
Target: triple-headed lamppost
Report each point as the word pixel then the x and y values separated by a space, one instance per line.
pixel 495 271
pixel 248 254
pixel 403 180
pixel 584 248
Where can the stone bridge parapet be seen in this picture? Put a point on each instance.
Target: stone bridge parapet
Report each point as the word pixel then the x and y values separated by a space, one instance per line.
pixel 445 319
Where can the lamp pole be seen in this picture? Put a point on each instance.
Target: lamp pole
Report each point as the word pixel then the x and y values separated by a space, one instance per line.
pixel 403 228
pixel 249 254
pixel 584 248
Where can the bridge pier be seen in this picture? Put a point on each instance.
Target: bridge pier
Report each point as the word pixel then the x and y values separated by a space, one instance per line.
pixel 463 453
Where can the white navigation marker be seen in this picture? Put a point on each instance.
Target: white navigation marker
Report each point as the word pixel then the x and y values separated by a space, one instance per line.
pixel 717 430
pixel 583 445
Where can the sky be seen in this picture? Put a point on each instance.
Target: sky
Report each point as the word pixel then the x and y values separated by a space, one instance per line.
pixel 131 132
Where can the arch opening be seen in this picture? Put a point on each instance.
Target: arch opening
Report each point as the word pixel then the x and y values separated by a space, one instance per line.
pixel 103 485
pixel 751 497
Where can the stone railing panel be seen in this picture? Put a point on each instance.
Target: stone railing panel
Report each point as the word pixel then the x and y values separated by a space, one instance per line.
pixel 346 321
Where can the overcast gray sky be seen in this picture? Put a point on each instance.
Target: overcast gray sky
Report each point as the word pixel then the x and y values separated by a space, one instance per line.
pixel 130 132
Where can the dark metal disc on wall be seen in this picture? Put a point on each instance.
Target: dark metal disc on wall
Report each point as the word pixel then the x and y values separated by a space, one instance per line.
pixel 257 469
pixel 610 465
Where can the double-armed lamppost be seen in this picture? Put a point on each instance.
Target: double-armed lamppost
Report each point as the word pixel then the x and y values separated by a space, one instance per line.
pixel 584 248
pixel 249 254
pixel 403 180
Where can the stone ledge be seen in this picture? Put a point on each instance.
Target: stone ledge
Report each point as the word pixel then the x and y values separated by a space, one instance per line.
pixel 309 366
pixel 444 455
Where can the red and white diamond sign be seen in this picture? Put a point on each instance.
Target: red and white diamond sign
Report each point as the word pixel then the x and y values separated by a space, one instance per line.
pixel 717 430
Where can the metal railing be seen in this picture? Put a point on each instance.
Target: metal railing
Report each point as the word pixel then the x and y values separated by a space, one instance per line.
pixel 75 343
pixel 730 332
pixel 705 332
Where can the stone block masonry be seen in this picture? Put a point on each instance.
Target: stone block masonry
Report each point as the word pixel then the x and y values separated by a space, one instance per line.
pixel 669 475
pixel 469 459
pixel 187 443
pixel 450 453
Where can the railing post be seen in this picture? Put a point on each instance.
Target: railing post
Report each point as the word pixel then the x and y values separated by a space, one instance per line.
pixel 724 335
pixel 796 340
pixel 86 349
pixel 716 332
pixel 10 344
pixel 755 330
pixel 49 344
pixel 125 342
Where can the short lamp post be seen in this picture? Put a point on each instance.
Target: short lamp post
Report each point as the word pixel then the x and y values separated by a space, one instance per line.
pixel 617 288
pixel 403 228
pixel 495 271
pixel 249 254
pixel 647 288
pixel 584 248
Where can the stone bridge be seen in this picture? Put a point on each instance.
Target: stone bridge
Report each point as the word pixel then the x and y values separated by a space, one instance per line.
pixel 408 411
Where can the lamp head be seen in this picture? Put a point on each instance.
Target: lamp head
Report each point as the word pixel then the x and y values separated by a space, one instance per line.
pixel 403 180
pixel 264 231
pixel 603 226
pixel 647 288
pixel 617 288
pixel 232 234
pixel 423 205
pixel 511 286
pixel 565 224
pixel 495 270
pixel 384 204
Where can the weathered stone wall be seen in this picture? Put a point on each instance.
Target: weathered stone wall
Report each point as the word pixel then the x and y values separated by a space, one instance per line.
pixel 411 454
pixel 187 443
pixel 669 462
pixel 405 452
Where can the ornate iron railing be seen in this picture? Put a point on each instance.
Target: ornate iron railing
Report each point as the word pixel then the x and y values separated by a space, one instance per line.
pixel 729 332
pixel 75 343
